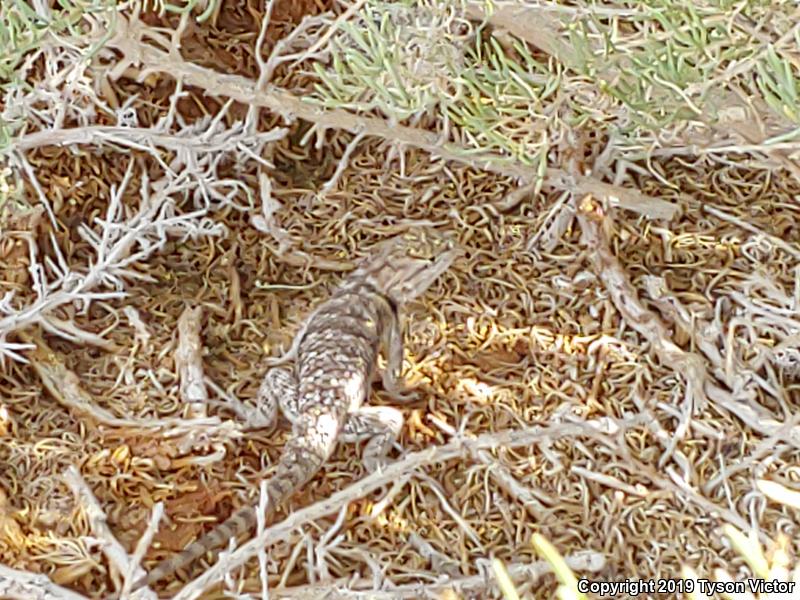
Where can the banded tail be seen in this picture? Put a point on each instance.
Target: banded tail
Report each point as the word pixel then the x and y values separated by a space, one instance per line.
pixel 299 462
pixel 241 522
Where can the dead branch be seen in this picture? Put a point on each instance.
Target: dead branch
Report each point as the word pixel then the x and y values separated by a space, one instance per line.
pixel 117 556
pixel 687 364
pixel 128 40
pixel 416 460
pixel 189 360
pixel 134 566
pixel 582 562
pixel 64 385
pixel 22 585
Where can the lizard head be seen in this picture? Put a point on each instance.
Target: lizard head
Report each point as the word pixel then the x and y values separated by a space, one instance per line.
pixel 404 266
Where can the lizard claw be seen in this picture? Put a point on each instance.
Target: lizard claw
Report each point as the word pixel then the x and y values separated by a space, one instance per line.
pixel 372 464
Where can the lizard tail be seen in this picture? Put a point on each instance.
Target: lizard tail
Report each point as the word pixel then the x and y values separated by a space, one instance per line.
pixel 302 458
pixel 242 521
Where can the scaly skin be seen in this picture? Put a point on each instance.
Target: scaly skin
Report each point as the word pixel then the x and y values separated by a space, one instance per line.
pixel 336 354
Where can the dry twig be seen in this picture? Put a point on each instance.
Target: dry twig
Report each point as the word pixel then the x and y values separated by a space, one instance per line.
pixel 21 585
pixel 189 360
pixel 416 460
pixel 688 364
pixel 117 555
pixel 128 40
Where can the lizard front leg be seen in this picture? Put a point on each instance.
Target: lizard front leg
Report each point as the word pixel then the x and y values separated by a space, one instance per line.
pixel 381 425
pixel 393 373
pixel 278 390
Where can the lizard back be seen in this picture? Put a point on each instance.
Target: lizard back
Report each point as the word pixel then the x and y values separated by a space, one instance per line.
pixel 337 354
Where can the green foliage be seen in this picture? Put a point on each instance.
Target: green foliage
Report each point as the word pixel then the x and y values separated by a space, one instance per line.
pixel 500 100
pixel 24 24
pixel 656 60
pixel 657 65
pixel 398 58
pixel 27 25
pixel 663 58
pixel 409 59
pixel 779 85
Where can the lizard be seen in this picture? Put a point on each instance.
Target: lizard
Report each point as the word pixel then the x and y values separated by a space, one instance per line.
pixel 335 356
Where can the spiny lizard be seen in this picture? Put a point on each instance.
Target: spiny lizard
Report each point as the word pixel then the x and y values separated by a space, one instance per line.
pixel 335 354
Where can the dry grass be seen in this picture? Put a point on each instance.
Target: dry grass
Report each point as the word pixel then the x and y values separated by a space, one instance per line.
pixel 583 368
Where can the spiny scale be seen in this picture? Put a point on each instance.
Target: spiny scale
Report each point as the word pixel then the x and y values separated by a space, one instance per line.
pixel 336 353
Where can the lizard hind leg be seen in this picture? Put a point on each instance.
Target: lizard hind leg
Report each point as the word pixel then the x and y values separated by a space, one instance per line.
pixel 380 425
